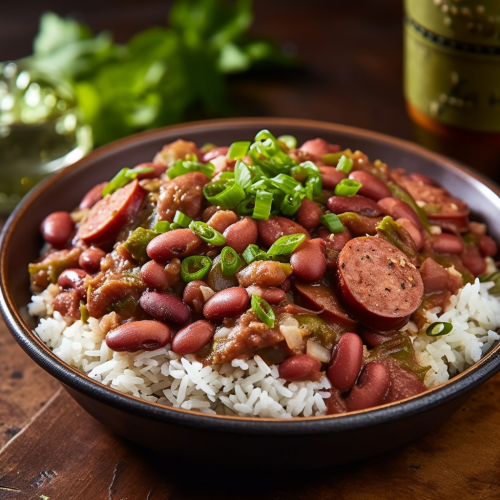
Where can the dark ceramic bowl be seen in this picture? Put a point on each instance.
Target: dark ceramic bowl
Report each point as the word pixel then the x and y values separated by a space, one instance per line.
pixel 258 442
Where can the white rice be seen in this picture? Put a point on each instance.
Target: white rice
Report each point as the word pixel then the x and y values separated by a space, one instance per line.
pixel 252 388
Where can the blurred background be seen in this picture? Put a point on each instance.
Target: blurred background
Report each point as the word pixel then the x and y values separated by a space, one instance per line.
pixel 105 69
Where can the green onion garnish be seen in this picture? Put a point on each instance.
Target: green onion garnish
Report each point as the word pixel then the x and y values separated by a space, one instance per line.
pixel 247 206
pixel 224 193
pixel 263 310
pixel 288 140
pixel 207 233
pixel 162 226
pixel 347 187
pixel 195 267
pixel 238 149
pixel 229 261
pixel 286 183
pixel 253 253
pixel 299 173
pixel 332 222
pixel 286 244
pixel 226 175
pixel 182 219
pixel 263 202
pixel 438 329
pixel 174 225
pixel 345 165
pixel 123 177
pixel 291 203
pixel 181 167
pixel 242 175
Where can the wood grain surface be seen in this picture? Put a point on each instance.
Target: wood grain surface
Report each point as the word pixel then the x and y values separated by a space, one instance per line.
pixel 49 446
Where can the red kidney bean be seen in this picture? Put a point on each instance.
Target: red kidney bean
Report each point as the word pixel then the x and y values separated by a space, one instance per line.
pixel 414 232
pixel 158 169
pixel 226 303
pixel 276 227
pixel 286 285
pixel 335 241
pixel 358 204
pixel 222 219
pixel 308 261
pixel 319 147
pixel 271 295
pixel 193 337
pixel 423 178
pixel 241 234
pixel 372 386
pixel 308 214
pixel 90 259
pixel 487 246
pixel 72 278
pixel 68 304
pixel 399 209
pixel 176 243
pixel 300 367
pixel 347 357
pixel 137 335
pixel 165 307
pixel 221 151
pixel 157 275
pixel 447 244
pixel 371 338
pixel 93 196
pixel 371 187
pixel 208 212
pixel 330 176
pixel 473 261
pixel 56 228
pixel 193 296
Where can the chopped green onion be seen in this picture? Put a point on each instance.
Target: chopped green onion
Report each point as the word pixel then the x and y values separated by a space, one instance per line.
pixel 195 267
pixel 332 222
pixel 242 175
pixel 224 193
pixel 286 244
pixel 286 183
pixel 291 203
pixel 263 202
pixel 438 329
pixel 345 165
pixel 229 261
pixel 267 153
pixel 347 187
pixel 182 219
pixel 174 225
pixel 226 175
pixel 238 149
pixel 288 140
pixel 247 206
pixel 253 253
pixel 299 173
pixel 162 226
pixel 123 177
pixel 263 310
pixel 181 167
pixel 84 312
pixel 314 183
pixel 207 233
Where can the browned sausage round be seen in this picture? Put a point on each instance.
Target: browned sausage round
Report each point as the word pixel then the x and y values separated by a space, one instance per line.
pixel 358 204
pixel 138 335
pixel 308 260
pixel 165 307
pixel 226 303
pixel 347 358
pixel 398 209
pixel 423 178
pixel 308 214
pixel 56 228
pixel 300 367
pixel 110 214
pixel 176 243
pixel 93 196
pixel 241 234
pixel 193 337
pixel 371 187
pixel 330 177
pixel 377 283
pixel 445 243
pixel 90 259
pixel 276 227
pixel 371 389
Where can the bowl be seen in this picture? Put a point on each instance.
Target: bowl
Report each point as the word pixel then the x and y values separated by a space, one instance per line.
pixel 261 443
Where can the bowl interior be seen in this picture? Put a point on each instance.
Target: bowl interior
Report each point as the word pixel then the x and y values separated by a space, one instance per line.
pixel 21 241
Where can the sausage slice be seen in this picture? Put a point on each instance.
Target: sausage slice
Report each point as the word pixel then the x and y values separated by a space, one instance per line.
pixel 377 283
pixel 110 214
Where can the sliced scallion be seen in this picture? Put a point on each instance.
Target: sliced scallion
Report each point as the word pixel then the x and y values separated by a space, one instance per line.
pixel 247 206
pixel 253 253
pixel 286 244
pixel 238 149
pixel 224 193
pixel 174 225
pixel 226 175
pixel 439 328
pixel 332 222
pixel 181 167
pixel 195 267
pixel 182 219
pixel 291 203
pixel 207 233
pixel 162 226
pixel 242 175
pixel 123 177
pixel 345 165
pixel 263 310
pixel 263 202
pixel 286 183
pixel 288 140
pixel 347 187
pixel 229 261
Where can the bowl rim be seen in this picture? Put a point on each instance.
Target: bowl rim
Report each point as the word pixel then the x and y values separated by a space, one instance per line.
pixel 70 376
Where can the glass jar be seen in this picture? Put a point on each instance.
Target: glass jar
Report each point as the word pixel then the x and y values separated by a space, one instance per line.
pixel 41 130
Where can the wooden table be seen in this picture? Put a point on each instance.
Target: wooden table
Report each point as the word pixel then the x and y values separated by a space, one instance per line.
pixel 51 447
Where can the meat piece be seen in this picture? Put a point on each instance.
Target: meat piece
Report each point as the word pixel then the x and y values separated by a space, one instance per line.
pixel 322 297
pixel 438 279
pixel 177 150
pixel 264 273
pixel 378 285
pixel 68 304
pixel 276 227
pixel 184 193
pixel 404 384
pixel 247 336
pixel 110 214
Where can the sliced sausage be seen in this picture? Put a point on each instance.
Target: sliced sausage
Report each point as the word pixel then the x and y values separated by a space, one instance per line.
pixel 357 204
pixel 276 227
pixel 93 196
pixel 110 214
pixel 378 285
